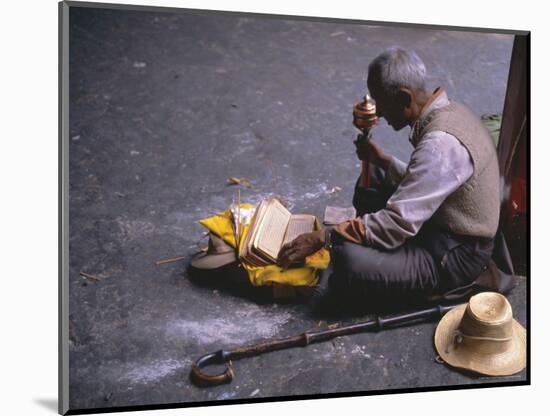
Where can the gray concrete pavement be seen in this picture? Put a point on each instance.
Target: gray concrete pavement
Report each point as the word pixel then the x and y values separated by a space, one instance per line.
pixel 164 108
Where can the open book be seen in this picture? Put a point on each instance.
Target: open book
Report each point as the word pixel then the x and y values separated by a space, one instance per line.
pixel 272 227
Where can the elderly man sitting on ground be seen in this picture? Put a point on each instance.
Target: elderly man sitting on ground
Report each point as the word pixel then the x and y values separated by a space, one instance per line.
pixel 425 227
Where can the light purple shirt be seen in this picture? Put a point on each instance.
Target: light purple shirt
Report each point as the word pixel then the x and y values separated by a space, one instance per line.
pixel 439 165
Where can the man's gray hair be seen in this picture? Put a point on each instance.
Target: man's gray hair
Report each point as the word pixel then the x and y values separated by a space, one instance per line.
pixel 397 68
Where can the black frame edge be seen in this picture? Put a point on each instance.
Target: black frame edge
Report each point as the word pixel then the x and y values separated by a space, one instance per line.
pixel 63 222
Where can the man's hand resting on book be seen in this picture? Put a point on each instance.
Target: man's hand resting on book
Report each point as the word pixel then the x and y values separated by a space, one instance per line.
pixel 302 246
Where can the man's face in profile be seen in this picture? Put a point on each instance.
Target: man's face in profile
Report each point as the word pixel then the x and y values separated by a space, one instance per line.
pixel 388 108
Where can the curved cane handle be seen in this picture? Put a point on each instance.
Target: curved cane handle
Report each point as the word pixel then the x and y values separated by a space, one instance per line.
pixel 205 380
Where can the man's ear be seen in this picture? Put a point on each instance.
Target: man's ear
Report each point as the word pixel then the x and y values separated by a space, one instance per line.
pixel 405 98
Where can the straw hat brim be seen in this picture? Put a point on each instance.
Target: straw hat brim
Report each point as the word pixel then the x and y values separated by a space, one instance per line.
pixel 213 261
pixel 466 357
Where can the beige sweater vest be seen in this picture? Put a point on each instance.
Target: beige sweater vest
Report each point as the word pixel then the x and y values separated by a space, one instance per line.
pixel 473 209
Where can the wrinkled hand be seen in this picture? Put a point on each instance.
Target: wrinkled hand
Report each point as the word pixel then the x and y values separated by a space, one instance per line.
pixel 371 151
pixel 297 250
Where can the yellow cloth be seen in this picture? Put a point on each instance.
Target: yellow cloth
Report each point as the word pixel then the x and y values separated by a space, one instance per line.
pixel 222 226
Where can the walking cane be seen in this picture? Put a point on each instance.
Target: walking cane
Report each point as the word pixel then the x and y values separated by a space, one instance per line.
pixel 225 357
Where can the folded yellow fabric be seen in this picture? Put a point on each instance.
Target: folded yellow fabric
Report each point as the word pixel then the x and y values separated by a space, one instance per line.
pixel 222 226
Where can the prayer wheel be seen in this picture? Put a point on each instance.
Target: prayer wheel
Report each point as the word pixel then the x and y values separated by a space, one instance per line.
pixel 365 118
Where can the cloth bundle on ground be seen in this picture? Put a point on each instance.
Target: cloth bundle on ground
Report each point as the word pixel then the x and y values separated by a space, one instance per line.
pixel 284 282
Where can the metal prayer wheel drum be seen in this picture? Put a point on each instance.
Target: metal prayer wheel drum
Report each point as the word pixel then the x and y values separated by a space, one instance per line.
pixel 364 113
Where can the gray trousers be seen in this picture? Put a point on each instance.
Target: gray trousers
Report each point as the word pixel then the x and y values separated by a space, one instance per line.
pixel 430 263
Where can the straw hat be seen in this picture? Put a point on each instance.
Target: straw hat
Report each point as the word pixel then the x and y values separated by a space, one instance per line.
pixel 482 336
pixel 218 254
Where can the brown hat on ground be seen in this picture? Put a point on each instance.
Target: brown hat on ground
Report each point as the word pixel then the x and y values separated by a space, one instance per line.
pixel 218 254
pixel 482 336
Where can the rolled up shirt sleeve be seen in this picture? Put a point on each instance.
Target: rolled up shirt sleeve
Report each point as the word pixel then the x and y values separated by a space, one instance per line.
pixel 353 230
pixel 439 165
